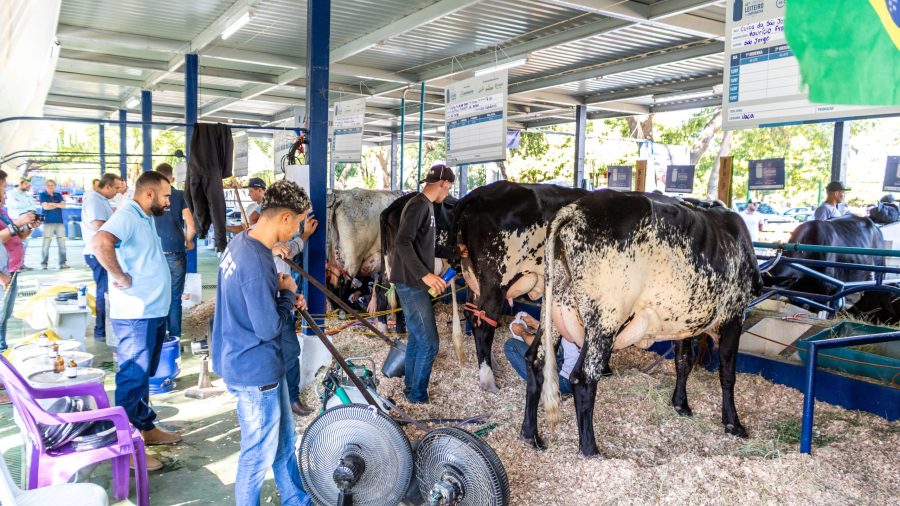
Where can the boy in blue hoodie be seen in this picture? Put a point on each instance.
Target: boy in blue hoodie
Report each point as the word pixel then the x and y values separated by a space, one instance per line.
pixel 252 301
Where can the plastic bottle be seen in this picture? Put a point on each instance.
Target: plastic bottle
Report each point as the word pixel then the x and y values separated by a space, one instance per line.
pixel 82 296
pixel 71 368
pixel 446 277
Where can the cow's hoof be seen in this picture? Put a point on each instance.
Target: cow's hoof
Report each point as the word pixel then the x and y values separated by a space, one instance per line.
pixel 683 410
pixel 489 387
pixel 535 442
pixel 736 430
pixel 590 453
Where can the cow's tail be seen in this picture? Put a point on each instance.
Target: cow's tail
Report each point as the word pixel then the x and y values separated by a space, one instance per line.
pixel 457 327
pixel 550 390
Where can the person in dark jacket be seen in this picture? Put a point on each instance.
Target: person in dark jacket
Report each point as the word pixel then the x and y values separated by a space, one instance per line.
pixel 886 211
pixel 412 266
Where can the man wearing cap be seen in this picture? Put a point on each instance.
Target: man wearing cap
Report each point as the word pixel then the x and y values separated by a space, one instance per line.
pixel 412 262
pixel 753 219
pixel 256 187
pixel 834 206
pixel 19 201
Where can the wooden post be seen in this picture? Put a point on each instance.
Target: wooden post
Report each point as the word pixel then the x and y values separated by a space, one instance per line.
pixel 640 177
pixel 725 173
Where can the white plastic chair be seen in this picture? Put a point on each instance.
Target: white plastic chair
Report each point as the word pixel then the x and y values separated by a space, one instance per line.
pixel 70 494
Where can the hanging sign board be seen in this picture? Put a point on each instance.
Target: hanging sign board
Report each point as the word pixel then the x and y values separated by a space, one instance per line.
pixel 762 84
pixel 619 177
pixel 892 174
pixel 349 118
pixel 680 179
pixel 282 141
pixel 298 174
pixel 767 174
pixel 475 114
pixel 241 154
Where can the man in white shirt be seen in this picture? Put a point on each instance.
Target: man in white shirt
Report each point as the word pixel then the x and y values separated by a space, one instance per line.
pixel 834 206
pixel 95 211
pixel 19 201
pixel 256 187
pixel 753 219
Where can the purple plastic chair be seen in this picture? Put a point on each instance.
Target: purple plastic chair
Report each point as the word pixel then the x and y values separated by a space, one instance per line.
pixel 51 467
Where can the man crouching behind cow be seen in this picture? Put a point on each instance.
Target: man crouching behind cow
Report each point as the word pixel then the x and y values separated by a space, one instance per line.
pixel 412 262
pixel 631 269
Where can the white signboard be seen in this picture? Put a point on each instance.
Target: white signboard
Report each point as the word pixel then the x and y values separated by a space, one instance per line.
pixel 659 157
pixel 349 118
pixel 475 115
pixel 298 174
pixel 282 141
pixel 241 154
pixel 762 76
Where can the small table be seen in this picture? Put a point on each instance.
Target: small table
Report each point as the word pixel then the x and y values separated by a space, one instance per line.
pixel 68 320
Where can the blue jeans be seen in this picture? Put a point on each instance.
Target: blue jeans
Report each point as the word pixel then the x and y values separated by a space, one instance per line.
pixel 290 354
pixel 267 440
pixel 7 303
pixel 140 344
pixel 101 280
pixel 515 352
pixel 421 343
pixel 178 270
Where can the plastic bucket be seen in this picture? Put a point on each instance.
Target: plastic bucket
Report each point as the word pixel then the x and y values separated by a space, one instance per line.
pixel 169 367
pixel 395 364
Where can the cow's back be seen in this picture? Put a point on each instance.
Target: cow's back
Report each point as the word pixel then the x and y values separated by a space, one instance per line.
pixel 628 256
pixel 847 232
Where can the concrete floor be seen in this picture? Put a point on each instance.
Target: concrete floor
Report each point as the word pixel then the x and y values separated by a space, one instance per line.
pixel 201 469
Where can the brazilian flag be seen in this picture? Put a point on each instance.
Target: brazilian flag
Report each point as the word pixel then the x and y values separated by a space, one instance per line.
pixel 848 50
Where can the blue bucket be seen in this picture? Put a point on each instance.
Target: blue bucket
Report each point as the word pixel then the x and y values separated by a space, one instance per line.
pixel 169 367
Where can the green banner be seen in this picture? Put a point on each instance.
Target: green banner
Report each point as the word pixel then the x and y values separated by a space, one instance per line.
pixel 849 51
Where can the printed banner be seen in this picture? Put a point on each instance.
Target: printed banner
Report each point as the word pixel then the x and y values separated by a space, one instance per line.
pixel 349 119
pixel 475 115
pixel 680 179
pixel 241 154
pixel 892 174
pixel 767 174
pixel 620 177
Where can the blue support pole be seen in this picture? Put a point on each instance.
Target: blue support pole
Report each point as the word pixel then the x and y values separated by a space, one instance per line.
pixel 580 138
pixel 102 149
pixel 393 186
pixel 191 76
pixel 421 124
pixel 809 399
pixel 123 144
pixel 147 128
pixel 318 30
pixel 402 136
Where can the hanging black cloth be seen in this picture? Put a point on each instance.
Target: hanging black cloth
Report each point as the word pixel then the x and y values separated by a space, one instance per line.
pixel 211 159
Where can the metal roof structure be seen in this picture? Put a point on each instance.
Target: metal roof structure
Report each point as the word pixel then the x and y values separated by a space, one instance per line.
pixel 617 57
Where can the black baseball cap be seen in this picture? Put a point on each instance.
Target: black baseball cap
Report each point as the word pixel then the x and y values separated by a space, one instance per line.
pixel 836 186
pixel 256 182
pixel 439 172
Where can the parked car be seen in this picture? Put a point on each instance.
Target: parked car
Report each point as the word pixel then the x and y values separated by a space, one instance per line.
pixel 796 210
pixel 804 216
pixel 769 213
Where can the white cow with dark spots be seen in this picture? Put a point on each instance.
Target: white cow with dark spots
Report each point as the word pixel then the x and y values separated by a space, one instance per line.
pixel 632 269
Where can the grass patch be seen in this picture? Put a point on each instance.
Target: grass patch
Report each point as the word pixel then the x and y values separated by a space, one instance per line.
pixel 787 432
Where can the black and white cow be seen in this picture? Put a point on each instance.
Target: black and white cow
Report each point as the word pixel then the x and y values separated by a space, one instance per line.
pixel 500 230
pixel 631 269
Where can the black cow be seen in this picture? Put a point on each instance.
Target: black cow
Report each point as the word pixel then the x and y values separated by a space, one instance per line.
pixel 848 231
pixel 445 246
pixel 631 269
pixel 500 230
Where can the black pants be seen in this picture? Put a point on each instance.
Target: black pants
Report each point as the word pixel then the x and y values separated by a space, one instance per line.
pixel 210 162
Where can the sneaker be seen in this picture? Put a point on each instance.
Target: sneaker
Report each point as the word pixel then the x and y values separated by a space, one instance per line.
pixel 43 267
pixel 157 436
pixel 64 266
pixel 153 463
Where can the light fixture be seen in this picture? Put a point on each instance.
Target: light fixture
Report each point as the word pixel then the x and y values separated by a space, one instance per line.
pixel 237 25
pixel 502 66
pixel 132 102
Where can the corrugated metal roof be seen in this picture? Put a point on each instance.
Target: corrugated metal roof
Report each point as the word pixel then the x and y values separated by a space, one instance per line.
pixel 278 27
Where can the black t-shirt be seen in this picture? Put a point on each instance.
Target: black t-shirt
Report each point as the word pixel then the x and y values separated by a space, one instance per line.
pixel 413 255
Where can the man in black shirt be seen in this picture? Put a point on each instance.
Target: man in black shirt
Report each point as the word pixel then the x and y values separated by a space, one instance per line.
pixel 412 271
